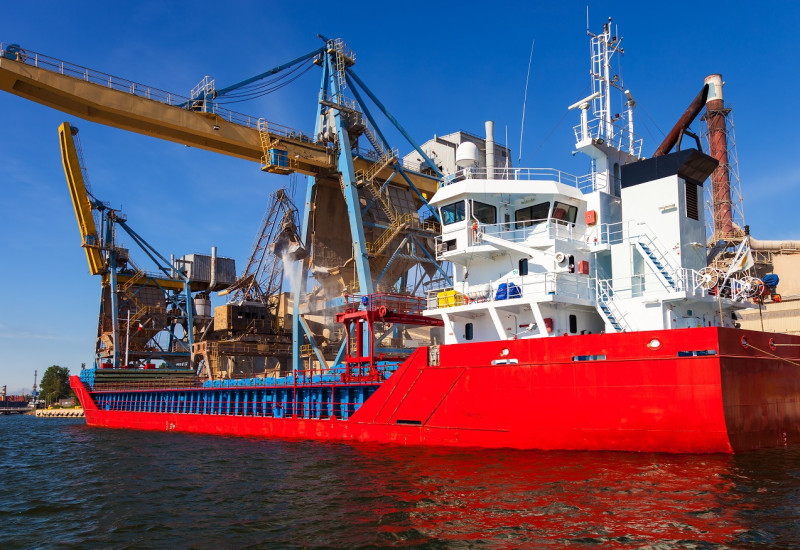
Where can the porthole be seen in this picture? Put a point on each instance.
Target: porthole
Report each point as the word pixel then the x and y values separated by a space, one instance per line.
pixel 654 344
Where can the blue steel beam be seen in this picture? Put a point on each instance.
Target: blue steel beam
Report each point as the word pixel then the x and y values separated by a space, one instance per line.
pixel 434 211
pixel 99 323
pixel 345 167
pixel 369 116
pixel 438 266
pixel 392 258
pixel 112 268
pixel 270 72
pixel 340 353
pixel 279 68
pixel 164 265
pixel 189 319
pixel 393 120
pixel 383 187
pixel 300 287
pixel 317 352
pixel 398 167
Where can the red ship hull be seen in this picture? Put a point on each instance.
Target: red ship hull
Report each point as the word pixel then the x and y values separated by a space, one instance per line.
pixel 739 391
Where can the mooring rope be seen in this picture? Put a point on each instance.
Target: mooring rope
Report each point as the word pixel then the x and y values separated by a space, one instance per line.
pixel 773 355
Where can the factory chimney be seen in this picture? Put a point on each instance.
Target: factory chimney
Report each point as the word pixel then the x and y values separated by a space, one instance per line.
pixel 716 114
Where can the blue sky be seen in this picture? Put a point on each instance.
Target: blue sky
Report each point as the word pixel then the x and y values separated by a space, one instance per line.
pixel 438 67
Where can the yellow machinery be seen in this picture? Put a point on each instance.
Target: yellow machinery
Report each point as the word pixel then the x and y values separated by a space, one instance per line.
pixel 80 199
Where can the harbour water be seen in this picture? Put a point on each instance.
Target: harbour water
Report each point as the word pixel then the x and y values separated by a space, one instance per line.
pixel 66 485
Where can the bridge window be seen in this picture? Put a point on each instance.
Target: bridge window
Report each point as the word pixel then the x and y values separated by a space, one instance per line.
pixel 565 213
pixel 469 331
pixel 523 266
pixel 484 213
pixel 573 324
pixel 453 213
pixel 531 215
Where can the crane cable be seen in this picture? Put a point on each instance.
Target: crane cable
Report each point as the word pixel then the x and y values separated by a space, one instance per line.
pixel 260 84
pixel 265 88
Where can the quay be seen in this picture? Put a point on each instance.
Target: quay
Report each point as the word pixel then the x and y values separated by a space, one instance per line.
pixel 14 410
pixel 59 413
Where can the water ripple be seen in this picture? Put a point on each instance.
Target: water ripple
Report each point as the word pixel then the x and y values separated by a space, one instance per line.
pixel 69 486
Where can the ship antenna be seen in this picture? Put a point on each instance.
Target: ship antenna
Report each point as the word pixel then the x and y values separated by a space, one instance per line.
pixel 588 31
pixel 506 147
pixel 524 102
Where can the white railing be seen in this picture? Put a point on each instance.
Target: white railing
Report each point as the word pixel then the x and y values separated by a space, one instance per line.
pixel 621 139
pixel 530 232
pixel 584 183
pixel 689 281
pixel 537 287
pixel 605 297
pixel 522 231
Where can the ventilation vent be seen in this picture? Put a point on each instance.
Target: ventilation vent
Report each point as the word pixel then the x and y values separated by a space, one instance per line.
pixel 692 209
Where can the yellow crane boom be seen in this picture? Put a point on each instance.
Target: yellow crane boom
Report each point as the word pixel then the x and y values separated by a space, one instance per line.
pixel 121 103
pixel 144 110
pixel 80 199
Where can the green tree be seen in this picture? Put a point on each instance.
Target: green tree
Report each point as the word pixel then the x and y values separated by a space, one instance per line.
pixel 55 383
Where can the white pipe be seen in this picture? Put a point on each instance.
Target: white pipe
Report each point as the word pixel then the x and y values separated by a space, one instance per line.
pixel 607 81
pixel 756 244
pixel 490 149
pixel 585 121
pixel 213 282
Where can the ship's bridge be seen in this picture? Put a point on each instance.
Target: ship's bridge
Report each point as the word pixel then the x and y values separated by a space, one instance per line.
pixel 522 210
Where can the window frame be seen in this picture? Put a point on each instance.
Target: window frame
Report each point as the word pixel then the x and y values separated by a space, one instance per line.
pixel 571 212
pixel 531 222
pixel 443 210
pixel 487 206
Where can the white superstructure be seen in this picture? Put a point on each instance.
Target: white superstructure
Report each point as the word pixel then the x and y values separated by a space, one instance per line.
pixel 539 252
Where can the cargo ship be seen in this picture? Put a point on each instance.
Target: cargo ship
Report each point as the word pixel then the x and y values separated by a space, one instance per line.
pixel 582 314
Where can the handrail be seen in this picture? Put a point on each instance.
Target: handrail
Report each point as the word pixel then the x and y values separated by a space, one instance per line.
pixel 533 286
pixel 179 101
pixel 397 303
pixel 583 183
pixel 605 296
pixel 622 136
pixel 304 378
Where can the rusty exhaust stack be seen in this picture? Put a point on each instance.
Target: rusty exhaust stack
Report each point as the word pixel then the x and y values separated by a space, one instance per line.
pixel 683 123
pixel 716 113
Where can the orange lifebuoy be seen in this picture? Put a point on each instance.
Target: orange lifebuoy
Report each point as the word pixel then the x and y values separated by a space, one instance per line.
pixel 382 311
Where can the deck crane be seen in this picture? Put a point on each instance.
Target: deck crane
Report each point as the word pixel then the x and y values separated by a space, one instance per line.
pixel 360 219
pixel 144 317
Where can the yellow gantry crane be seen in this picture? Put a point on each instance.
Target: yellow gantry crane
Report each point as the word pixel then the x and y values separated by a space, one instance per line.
pixel 194 121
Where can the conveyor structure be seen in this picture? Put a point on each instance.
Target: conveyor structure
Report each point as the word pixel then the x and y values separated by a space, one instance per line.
pixel 360 218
